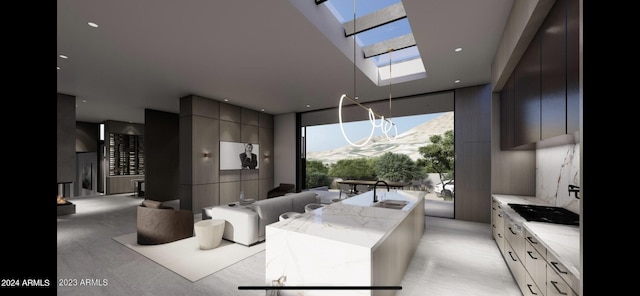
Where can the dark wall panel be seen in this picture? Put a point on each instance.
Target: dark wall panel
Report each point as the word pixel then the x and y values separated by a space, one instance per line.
pixel 161 141
pixel 87 136
pixel 473 153
pixel 66 135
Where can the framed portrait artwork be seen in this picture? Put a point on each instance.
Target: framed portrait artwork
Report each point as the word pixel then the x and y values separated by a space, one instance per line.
pixel 239 156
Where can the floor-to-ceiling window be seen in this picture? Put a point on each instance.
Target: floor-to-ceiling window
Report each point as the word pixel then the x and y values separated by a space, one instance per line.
pixel 420 154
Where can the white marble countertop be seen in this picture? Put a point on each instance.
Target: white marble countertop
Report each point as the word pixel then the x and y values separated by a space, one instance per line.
pixel 354 220
pixel 561 240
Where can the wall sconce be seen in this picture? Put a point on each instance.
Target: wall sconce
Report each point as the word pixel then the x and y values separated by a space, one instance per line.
pixel 206 154
pixel 266 157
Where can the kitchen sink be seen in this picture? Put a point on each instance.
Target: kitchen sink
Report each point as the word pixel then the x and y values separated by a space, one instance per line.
pixel 391 204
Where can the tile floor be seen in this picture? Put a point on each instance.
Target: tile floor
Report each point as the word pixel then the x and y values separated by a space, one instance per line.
pixel 453 258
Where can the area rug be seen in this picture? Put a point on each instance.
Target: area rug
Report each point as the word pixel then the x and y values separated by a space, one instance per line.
pixel 185 257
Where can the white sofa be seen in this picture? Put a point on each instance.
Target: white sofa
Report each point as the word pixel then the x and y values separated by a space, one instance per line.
pixel 246 224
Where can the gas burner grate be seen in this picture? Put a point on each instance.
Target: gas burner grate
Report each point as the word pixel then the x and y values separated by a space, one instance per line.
pixel 556 215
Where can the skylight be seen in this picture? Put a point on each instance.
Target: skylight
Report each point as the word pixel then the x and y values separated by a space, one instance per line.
pixel 381 25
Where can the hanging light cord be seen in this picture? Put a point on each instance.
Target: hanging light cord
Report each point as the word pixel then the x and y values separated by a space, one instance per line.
pixel 355 94
pixel 390 51
pixel 386 125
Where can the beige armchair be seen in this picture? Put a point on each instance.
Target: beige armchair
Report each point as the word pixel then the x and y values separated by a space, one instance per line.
pixel 158 224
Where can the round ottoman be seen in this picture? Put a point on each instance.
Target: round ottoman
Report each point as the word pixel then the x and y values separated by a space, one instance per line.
pixel 209 233
pixel 288 215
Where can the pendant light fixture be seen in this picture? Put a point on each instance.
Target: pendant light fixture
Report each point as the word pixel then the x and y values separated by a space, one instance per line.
pixel 385 125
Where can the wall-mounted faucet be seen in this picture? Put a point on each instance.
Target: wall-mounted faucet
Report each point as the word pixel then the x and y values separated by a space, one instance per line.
pixel 575 189
pixel 375 197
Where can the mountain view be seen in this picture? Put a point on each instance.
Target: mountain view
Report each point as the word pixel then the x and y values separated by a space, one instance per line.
pixel 406 143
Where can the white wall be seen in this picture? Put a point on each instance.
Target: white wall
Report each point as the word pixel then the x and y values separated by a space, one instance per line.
pixel 284 147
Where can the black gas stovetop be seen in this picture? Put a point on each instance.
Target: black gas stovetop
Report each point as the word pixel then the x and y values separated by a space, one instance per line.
pixel 548 214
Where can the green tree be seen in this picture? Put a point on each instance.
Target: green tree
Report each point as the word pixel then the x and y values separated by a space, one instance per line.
pixel 317 174
pixel 397 167
pixel 438 157
pixel 353 168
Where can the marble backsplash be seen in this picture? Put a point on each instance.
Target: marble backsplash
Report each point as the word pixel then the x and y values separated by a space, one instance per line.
pixel 557 168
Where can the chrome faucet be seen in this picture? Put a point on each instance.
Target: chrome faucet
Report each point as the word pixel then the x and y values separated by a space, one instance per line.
pixel 375 197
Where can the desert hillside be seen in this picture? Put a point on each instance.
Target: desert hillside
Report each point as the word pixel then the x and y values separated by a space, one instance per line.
pixel 406 143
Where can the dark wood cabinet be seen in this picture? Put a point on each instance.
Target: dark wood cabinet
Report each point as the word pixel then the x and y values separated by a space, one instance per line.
pixel 553 70
pixel 573 66
pixel 506 115
pixel 541 98
pixel 527 96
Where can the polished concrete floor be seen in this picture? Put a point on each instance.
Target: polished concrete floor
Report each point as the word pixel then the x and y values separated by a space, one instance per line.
pixel 454 258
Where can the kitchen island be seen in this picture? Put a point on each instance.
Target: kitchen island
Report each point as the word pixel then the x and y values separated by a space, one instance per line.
pixel 352 243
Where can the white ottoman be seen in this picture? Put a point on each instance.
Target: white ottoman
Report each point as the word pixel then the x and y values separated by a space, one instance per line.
pixel 209 233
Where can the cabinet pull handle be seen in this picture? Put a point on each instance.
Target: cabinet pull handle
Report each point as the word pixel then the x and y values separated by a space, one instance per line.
pixel 554 283
pixel 512 231
pixel 555 265
pixel 511 255
pixel 530 239
pixel 531 255
pixel 530 290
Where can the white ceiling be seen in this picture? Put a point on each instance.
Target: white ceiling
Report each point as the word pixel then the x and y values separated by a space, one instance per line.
pixel 257 54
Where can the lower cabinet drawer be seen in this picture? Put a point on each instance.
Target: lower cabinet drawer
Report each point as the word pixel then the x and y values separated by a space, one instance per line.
pixel 515 265
pixel 514 235
pixel 536 265
pixel 556 286
pixel 531 288
pixel 557 269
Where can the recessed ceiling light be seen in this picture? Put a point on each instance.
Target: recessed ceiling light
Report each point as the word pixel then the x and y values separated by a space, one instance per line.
pixel 262 109
pixel 64 56
pixel 84 101
pixel 457 81
pixel 58 68
pixel 308 105
pixel 459 49
pixel 226 100
pixel 92 24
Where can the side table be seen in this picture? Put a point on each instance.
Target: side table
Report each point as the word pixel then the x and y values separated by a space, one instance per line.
pixel 209 233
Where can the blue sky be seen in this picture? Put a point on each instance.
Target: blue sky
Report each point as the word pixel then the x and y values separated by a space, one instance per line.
pixel 343 10
pixel 329 136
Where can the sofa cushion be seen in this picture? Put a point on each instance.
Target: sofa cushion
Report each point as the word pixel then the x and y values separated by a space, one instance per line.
pixel 301 199
pixel 269 210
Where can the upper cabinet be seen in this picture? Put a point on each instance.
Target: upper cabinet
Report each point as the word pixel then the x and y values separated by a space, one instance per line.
pixel 541 98
pixel 553 69
pixel 573 66
pixel 506 114
pixel 527 96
